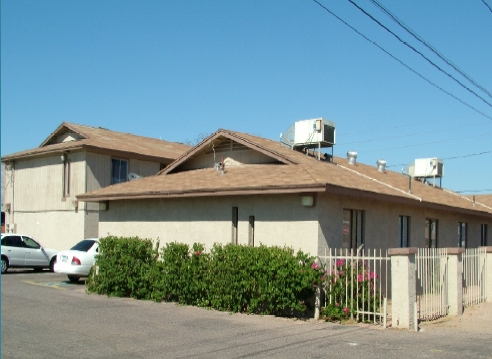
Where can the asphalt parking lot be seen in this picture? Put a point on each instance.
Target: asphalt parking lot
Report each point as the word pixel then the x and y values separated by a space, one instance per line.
pixel 45 316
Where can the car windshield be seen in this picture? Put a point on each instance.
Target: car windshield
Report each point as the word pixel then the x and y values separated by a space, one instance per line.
pixel 83 246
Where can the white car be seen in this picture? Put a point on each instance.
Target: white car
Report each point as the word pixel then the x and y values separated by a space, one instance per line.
pixel 77 261
pixel 21 251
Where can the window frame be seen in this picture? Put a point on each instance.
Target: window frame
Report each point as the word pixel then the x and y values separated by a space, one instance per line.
pixel 353 228
pixel 462 237
pixel 120 161
pixel 404 231
pixel 234 225
pixel 484 233
pixel 428 232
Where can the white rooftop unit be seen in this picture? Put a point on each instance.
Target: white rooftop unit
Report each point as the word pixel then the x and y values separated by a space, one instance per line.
pixel 425 168
pixel 312 133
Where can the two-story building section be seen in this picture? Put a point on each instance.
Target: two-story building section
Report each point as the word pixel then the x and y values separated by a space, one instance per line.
pixel 41 184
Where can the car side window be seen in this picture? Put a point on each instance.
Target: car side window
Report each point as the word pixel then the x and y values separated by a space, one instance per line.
pixel 4 241
pixel 14 241
pixel 31 243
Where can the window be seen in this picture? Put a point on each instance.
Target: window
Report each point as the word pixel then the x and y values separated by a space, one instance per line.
pixel 13 241
pixel 119 171
pixel 462 229
pixel 234 224
pixel 353 228
pixel 66 178
pixel 430 233
pixel 404 233
pixel 31 243
pixel 251 240
pixel 483 236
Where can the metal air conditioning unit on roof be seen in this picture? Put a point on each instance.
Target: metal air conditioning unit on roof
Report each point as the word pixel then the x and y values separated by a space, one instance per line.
pixel 425 168
pixel 314 133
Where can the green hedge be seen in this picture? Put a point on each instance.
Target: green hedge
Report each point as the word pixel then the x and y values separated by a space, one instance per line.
pixel 263 280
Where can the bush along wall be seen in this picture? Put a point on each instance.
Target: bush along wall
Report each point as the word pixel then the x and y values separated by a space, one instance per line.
pixel 262 280
pixel 126 268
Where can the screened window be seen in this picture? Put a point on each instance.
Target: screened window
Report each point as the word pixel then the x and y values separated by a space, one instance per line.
pixel 404 233
pixel 430 233
pixel 234 224
pixel 353 228
pixel 66 178
pixel 252 231
pixel 462 229
pixel 119 171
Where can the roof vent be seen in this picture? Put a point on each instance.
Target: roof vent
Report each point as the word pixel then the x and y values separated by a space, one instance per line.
pixel 352 157
pixel 381 165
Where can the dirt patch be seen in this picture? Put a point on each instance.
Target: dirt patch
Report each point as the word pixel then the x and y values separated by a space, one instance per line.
pixel 477 318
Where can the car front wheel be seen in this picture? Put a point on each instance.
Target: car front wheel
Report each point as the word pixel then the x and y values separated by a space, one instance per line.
pixel 5 265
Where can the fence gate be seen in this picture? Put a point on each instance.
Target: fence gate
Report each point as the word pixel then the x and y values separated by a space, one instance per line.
pixel 364 278
pixel 474 262
pixel 432 298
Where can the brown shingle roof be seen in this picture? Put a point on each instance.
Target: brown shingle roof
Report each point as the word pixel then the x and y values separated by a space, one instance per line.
pixel 295 172
pixel 106 141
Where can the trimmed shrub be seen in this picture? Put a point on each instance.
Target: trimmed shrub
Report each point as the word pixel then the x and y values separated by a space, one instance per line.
pixel 262 280
pixel 126 268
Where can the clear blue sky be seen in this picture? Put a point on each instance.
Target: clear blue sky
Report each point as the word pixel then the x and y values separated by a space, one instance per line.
pixel 177 69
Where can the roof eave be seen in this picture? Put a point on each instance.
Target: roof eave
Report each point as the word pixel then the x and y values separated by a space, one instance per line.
pixel 205 193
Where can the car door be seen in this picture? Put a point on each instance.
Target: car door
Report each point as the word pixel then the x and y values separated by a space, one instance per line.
pixel 35 255
pixel 14 248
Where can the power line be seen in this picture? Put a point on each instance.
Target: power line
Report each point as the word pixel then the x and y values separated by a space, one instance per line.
pixel 450 158
pixel 421 54
pixel 487 5
pixel 474 190
pixel 425 143
pixel 401 62
pixel 402 126
pixel 429 46
pixel 407 135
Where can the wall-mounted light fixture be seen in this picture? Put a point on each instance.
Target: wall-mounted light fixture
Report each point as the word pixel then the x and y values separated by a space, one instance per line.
pixel 103 205
pixel 307 200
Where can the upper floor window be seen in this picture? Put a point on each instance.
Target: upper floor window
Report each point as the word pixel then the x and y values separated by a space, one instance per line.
pixel 484 234
pixel 430 233
pixel 404 232
pixel 353 228
pixel 119 171
pixel 462 229
pixel 66 177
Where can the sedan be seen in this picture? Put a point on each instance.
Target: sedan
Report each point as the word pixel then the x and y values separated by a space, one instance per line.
pixel 21 251
pixel 78 261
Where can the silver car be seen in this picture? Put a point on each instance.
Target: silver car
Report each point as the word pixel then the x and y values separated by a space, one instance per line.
pixel 22 251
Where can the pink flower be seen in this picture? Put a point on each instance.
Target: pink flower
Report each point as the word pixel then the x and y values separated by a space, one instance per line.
pixel 340 262
pixel 197 253
pixel 360 278
pixel 346 310
pixel 337 304
pixel 373 275
pixel 314 266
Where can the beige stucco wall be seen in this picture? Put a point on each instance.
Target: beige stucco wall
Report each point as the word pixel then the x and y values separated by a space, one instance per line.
pixel 279 220
pixel 58 230
pixel 381 224
pixel 38 209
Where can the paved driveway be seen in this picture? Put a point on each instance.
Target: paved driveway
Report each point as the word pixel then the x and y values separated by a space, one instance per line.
pixel 43 316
